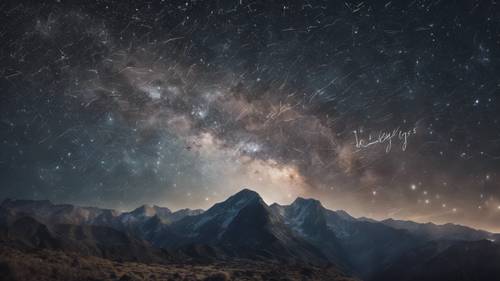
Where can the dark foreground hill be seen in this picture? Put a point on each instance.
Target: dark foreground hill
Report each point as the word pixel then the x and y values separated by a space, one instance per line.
pixel 50 265
pixel 445 261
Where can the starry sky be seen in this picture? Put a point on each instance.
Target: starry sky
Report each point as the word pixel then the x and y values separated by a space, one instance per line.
pixel 380 108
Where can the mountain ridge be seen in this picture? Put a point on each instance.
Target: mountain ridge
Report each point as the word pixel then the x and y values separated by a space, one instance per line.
pixel 241 227
pixel 10 201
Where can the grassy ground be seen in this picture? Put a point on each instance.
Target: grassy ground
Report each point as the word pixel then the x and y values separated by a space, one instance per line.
pixel 43 265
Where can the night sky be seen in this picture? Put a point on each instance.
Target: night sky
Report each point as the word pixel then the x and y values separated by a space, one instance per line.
pixel 381 108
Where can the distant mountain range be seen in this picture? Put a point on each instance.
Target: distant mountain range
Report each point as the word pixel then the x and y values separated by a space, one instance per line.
pixel 243 227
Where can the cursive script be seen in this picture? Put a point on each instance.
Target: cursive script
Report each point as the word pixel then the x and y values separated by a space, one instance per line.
pixel 384 137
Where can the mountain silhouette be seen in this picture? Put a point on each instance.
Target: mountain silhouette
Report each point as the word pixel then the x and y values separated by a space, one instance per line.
pixel 244 228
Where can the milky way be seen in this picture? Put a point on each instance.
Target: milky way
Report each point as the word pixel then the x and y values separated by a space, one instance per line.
pixel 386 109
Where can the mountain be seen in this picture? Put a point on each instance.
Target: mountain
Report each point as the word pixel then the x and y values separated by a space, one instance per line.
pixel 210 225
pixel 27 233
pixel 446 261
pixel 243 226
pixel 105 242
pixel 243 229
pixel 431 231
pixel 136 221
pixel 359 246
pixel 308 219
pixel 180 214
pixel 49 213
pixel 144 212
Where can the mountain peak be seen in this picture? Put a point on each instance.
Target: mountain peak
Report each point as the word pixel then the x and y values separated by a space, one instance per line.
pixel 306 202
pixel 246 192
pixel 238 200
pixel 150 210
pixel 244 195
